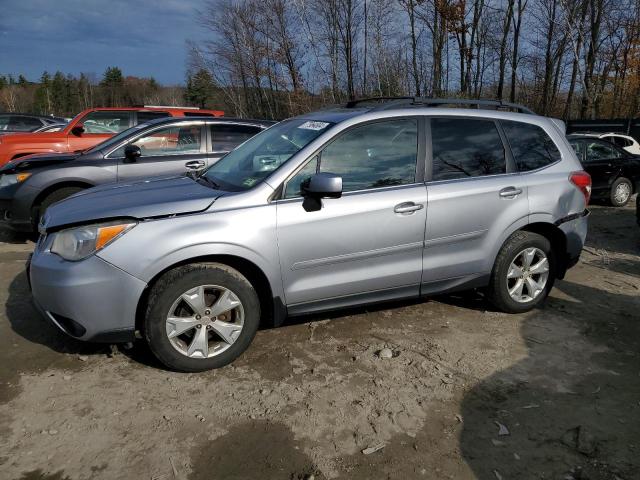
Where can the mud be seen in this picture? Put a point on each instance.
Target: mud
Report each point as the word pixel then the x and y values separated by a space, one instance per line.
pixel 308 397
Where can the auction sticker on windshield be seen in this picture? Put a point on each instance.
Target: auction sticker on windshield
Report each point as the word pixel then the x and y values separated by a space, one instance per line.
pixel 314 125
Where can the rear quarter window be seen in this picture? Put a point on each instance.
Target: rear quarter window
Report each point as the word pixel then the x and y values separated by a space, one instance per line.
pixel 530 145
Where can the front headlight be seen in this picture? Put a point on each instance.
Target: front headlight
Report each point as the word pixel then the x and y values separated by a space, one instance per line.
pixel 12 179
pixel 80 242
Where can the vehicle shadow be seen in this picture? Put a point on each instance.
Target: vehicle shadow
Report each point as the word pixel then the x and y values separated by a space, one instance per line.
pixel 16 238
pixel 570 409
pixel 616 230
pixel 27 322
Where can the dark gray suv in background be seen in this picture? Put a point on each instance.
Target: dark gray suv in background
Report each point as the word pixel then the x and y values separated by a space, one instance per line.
pixel 164 147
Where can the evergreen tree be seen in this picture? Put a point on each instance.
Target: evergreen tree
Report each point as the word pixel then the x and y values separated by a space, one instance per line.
pixel 112 82
pixel 42 100
pixel 200 87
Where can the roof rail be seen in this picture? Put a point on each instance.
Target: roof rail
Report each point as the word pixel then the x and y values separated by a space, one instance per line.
pixel 393 102
pixel 354 103
pixel 167 106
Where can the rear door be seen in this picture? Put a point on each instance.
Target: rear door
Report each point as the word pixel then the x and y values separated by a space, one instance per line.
pixel 227 136
pixel 474 193
pixel 166 151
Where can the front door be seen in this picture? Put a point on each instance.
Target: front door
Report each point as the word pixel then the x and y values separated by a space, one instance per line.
pixel 166 151
pixel 367 244
pixel 474 196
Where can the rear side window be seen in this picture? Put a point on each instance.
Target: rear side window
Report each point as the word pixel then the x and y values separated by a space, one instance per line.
pixel 225 138
pixel 600 151
pixel 24 124
pixel 465 148
pixel 531 146
pixel 147 116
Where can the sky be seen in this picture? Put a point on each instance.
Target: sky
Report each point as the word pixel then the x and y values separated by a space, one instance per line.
pixel 143 37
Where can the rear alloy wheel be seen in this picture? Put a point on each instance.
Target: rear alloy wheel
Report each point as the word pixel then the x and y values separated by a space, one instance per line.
pixel 621 192
pixel 201 316
pixel 527 275
pixel 523 273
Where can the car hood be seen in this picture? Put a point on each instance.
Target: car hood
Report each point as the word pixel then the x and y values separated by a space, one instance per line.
pixel 37 160
pixel 34 138
pixel 146 199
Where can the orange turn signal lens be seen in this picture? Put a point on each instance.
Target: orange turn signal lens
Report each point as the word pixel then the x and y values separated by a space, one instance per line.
pixel 106 234
pixel 21 177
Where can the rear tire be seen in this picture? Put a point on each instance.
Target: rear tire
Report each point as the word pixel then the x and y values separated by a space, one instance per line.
pixel 53 197
pixel 525 262
pixel 211 328
pixel 621 192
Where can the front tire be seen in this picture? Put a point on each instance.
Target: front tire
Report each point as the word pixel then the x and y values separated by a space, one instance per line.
pixel 621 192
pixel 523 273
pixel 201 316
pixel 53 197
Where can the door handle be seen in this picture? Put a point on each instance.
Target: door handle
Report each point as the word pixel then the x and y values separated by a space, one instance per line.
pixel 510 192
pixel 408 207
pixel 195 164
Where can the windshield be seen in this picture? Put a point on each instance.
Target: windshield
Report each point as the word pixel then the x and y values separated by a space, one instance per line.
pixel 116 139
pixel 259 156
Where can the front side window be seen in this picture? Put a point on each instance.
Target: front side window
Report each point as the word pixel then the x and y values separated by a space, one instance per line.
pixel 531 146
pixel 172 140
pixel 293 188
pixel 375 155
pixel 464 148
pixel 225 138
pixel 600 151
pixel 258 157
pixel 105 122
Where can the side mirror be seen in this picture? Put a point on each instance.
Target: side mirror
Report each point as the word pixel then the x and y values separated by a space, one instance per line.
pixel 319 186
pixel 132 153
pixel 78 130
pixel 322 185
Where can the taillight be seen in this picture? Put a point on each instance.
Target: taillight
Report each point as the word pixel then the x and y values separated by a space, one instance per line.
pixel 582 180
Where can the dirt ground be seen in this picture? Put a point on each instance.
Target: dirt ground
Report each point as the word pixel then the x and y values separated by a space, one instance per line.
pixel 470 393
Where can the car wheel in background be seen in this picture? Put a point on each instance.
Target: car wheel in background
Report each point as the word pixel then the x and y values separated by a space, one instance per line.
pixel 523 273
pixel 52 198
pixel 201 316
pixel 621 192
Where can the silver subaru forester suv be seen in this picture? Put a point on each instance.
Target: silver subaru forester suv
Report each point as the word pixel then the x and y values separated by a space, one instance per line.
pixel 368 202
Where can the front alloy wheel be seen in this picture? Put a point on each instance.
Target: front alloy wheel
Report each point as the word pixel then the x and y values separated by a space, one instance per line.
pixel 205 321
pixel 201 316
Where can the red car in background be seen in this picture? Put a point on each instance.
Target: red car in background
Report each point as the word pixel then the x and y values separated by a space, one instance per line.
pixel 89 128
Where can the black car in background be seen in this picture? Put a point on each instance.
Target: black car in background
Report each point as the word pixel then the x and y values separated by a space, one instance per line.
pixel 23 123
pixel 615 173
pixel 164 147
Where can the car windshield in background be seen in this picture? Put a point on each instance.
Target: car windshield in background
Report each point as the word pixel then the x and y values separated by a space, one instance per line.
pixel 116 139
pixel 255 159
